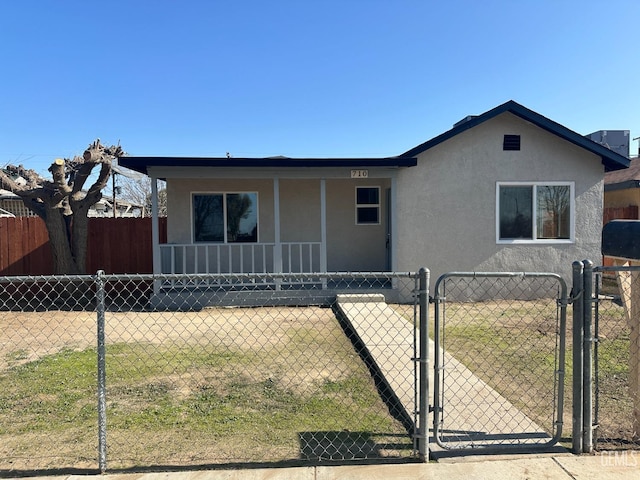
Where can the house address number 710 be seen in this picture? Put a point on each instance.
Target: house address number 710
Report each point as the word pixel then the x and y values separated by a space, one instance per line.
pixel 359 173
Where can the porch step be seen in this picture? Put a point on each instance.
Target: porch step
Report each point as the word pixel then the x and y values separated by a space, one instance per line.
pixel 181 298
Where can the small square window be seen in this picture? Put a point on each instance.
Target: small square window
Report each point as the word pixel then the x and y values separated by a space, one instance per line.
pixel 367 205
pixel 511 142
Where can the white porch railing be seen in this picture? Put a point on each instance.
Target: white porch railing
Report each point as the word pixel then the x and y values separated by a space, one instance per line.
pixel 221 258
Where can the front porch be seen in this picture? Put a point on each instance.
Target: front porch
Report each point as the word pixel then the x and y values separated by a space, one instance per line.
pixel 194 292
pixel 240 258
pixel 284 222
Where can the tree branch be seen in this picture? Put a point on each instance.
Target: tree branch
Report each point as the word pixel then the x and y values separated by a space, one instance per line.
pixel 57 172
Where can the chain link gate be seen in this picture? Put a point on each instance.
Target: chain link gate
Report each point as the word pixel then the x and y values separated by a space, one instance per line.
pixel 615 345
pixel 499 348
pixel 103 370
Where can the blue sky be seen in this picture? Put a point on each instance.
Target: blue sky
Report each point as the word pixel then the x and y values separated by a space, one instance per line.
pixel 305 78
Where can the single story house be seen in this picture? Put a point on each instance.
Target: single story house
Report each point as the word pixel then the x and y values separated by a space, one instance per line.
pixel 507 190
pixel 622 192
pixel 11 205
pixel 622 196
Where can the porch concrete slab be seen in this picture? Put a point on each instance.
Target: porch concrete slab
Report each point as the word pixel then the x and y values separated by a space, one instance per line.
pixel 475 413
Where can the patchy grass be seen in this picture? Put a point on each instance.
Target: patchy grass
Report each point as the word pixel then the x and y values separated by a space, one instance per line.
pixel 295 391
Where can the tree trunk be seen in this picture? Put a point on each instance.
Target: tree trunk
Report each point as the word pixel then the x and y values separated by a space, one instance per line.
pixel 79 239
pixel 63 261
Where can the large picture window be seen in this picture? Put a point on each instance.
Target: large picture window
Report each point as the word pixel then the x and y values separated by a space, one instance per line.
pixel 225 217
pixel 534 212
pixel 367 205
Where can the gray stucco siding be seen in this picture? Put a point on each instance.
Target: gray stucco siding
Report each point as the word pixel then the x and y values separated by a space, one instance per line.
pixel 447 204
pixel 352 247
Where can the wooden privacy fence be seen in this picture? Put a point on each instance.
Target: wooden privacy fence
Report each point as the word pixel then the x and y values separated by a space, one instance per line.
pixel 617 213
pixel 613 213
pixel 116 245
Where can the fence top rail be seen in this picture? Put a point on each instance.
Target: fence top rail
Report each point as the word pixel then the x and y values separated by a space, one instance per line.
pixel 521 275
pixel 266 276
pixel 212 276
pixel 620 268
pixel 47 278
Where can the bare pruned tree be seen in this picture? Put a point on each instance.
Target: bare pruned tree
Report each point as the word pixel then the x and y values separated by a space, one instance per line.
pixel 63 203
pixel 138 191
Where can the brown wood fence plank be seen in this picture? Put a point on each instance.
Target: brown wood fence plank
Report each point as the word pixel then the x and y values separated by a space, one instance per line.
pixel 613 213
pixel 116 245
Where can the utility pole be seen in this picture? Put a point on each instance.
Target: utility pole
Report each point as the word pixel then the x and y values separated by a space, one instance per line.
pixel 113 187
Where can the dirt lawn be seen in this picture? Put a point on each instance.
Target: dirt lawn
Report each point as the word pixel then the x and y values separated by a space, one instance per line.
pixel 27 336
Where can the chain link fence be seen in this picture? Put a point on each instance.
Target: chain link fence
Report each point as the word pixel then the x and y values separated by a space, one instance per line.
pixel 144 371
pixel 616 358
pixel 499 360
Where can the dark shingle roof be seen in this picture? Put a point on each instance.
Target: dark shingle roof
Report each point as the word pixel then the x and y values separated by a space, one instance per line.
pixel 623 179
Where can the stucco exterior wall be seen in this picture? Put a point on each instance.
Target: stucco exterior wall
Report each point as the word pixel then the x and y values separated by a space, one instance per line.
pixel 446 208
pixel 350 247
pixel 300 210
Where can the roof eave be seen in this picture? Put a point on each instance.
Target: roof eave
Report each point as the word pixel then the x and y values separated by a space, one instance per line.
pixel 629 184
pixel 142 164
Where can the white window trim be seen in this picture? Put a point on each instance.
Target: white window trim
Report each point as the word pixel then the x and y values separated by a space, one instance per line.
pixel 224 206
pixel 548 241
pixel 365 205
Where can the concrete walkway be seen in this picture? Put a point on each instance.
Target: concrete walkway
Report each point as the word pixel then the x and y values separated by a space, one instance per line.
pixel 605 466
pixel 476 415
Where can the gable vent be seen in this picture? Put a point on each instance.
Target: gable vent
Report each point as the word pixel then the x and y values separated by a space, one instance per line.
pixel 511 142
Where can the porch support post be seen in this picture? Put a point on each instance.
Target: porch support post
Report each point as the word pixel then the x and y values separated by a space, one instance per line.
pixel 277 249
pixel 323 225
pixel 394 224
pixel 155 232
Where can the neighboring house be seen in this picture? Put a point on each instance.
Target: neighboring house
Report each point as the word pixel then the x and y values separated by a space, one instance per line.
pixel 622 196
pixel 622 192
pixel 11 205
pixel 124 209
pixel 508 190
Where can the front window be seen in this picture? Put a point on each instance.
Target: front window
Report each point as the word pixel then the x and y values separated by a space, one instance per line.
pixel 534 212
pixel 225 217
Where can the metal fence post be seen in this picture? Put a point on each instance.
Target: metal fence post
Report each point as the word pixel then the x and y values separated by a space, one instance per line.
pixel 102 389
pixel 576 294
pixel 587 382
pixel 423 433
